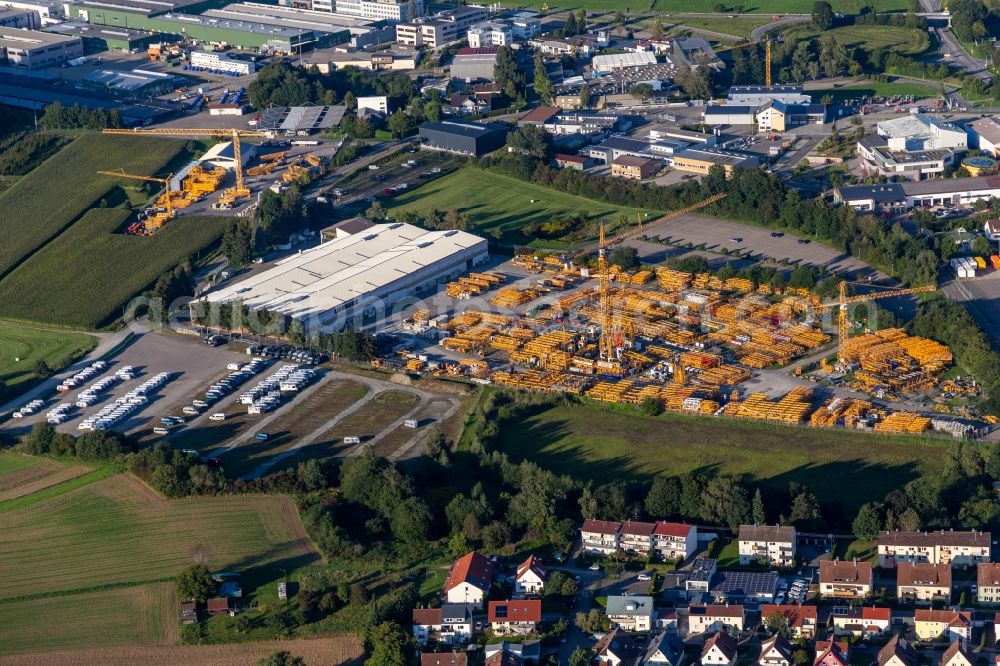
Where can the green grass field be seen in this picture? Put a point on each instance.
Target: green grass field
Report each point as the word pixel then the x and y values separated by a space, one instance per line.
pixel 144 615
pixel 43 203
pixel 21 347
pixel 594 442
pixel 12 462
pixel 117 532
pixel 875 88
pixel 661 6
pixel 738 27
pixel 905 41
pixel 88 273
pixel 494 202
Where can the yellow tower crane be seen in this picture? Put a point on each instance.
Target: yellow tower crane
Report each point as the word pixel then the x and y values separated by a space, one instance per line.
pixel 767 63
pixel 120 173
pixel 843 301
pixel 608 320
pixel 240 191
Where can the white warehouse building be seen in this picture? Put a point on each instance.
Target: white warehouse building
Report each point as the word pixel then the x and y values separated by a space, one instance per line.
pixel 368 270
pixel 220 62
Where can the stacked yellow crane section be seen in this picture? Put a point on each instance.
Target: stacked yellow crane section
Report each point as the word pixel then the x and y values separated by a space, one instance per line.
pixel 792 408
pixel 903 423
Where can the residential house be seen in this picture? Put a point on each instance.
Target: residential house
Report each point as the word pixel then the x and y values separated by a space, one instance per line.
pixel 715 617
pixel 519 616
pixel 631 613
pixel 637 537
pixel 443 659
pixel 600 536
pixel 220 606
pixel 832 653
pixel 897 652
pixel 700 577
pixel 957 655
pixel 991 229
pixel 802 620
pixel 952 625
pixel 845 580
pixel 666 620
pixel 469 580
pixel 504 658
pixel 666 649
pixel 943 547
pixel 525 651
pixel 675 541
pixel 719 650
pixel 775 651
pixel 616 648
pixel 922 582
pixel 865 622
pixel 988 583
pixel 530 576
pixel 450 624
pixel 767 544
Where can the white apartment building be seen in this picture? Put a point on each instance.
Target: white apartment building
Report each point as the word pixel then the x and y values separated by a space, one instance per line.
pixel 767 544
pixel 601 536
pixel 943 547
pixel 491 33
pixel 441 28
pixel 378 10
pixel 988 583
pixel 675 541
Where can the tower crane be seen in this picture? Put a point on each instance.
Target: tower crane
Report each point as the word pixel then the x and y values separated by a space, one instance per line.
pixel 606 346
pixel 240 191
pixel 120 173
pixel 767 62
pixel 843 300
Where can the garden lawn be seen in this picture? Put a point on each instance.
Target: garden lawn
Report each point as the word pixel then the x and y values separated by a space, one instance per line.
pixel 494 202
pixel 52 196
pixel 118 532
pixel 21 347
pixel 90 272
pixel 602 443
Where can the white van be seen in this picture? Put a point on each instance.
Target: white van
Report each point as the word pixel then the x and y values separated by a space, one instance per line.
pixel 352 440
pixel 410 423
pixel 160 430
pixel 218 416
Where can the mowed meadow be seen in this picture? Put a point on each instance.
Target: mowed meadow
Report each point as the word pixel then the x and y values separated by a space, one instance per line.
pixel 117 532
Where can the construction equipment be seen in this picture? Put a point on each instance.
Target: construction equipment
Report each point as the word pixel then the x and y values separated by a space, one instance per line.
pixel 843 330
pixel 607 344
pixel 767 63
pixel 240 191
pixel 158 219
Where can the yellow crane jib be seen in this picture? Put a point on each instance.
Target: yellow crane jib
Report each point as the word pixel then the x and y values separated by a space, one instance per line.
pixel 120 173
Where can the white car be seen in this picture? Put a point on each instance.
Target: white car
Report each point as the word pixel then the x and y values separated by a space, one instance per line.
pixel 644 577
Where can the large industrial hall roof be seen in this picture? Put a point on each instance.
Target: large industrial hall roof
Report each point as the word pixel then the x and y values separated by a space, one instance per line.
pixel 335 274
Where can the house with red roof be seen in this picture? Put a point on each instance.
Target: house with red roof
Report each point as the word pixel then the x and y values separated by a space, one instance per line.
pixel 637 537
pixel 517 616
pixel 951 625
pixel 600 536
pixel 922 582
pixel 801 620
pixel 864 622
pixel 845 579
pixel 957 655
pixel 675 541
pixel 444 659
pixel 451 624
pixel 719 650
pixel 832 653
pixel 469 580
pixel 530 577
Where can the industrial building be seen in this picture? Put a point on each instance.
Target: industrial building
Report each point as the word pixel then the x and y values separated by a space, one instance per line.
pixel 779 116
pixel 221 62
pixel 31 93
pixel 395 59
pixel 700 160
pixel 360 32
pixel 913 147
pixel 19 19
pixel 630 167
pixel 603 64
pixel 984 134
pixel 34 49
pixel 301 118
pixel 897 197
pixel 729 114
pixel 50 11
pixel 356 273
pixel 760 95
pixel 98 38
pixel 222 155
pixel 137 82
pixel 463 137
pixel 474 64
pixel 379 10
pixel 161 16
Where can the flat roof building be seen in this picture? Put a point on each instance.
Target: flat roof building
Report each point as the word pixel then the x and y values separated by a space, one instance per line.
pixel 363 32
pixel 296 118
pixel 19 19
pixel 33 49
pixel 101 37
pixel 700 160
pixel 760 95
pixel 463 137
pixel 51 12
pixel 325 286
